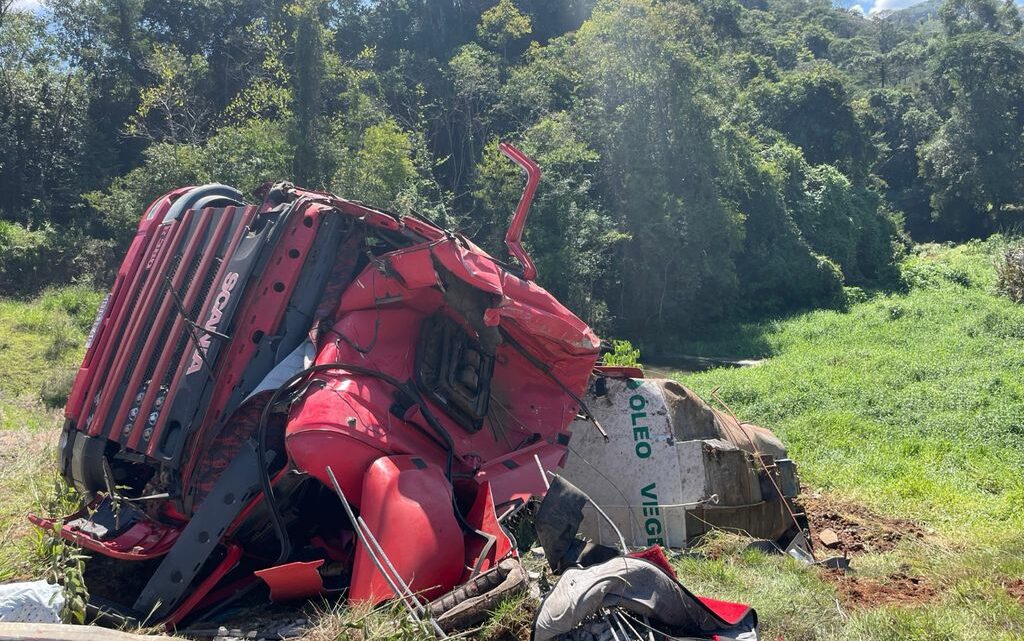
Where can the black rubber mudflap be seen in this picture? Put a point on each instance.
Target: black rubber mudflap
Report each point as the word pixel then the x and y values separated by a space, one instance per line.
pixel 171 581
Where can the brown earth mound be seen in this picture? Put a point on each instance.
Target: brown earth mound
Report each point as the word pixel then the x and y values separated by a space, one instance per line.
pixel 1016 590
pixel 855 529
pixel 896 589
pixel 858 528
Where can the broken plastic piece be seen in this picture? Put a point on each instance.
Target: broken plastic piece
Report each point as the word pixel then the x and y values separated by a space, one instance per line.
pixel 293 581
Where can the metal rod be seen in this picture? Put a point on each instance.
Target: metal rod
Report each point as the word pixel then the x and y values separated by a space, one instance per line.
pixel 543 475
pixel 361 535
pixel 622 540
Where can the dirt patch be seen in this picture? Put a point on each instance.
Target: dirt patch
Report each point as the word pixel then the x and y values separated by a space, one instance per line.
pixel 1016 590
pixel 860 593
pixel 859 529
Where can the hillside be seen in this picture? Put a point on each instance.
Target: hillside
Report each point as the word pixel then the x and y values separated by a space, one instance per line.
pixel 703 161
pixel 912 405
pixel 904 413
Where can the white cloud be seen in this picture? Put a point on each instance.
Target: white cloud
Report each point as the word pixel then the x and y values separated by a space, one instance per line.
pixel 857 9
pixel 892 5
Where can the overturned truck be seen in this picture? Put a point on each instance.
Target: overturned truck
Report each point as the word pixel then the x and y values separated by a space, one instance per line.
pixel 310 395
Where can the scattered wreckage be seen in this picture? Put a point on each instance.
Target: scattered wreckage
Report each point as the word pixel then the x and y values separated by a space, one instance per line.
pixel 312 396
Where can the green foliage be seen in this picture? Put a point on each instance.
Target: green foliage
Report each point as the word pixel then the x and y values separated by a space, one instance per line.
pixel 43 119
pixel 568 232
pixel 910 402
pixel 623 354
pixel 308 126
pixel 812 107
pixel 31 259
pixel 701 159
pixel 967 16
pixel 244 156
pixel 381 167
pixel 62 562
pixel 502 24
pixel 974 164
pixel 55 389
pixel 170 110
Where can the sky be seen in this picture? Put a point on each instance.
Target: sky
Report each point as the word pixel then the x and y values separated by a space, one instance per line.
pixel 874 6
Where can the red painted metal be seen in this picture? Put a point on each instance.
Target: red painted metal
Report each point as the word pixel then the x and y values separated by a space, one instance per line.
pixel 127 363
pixel 143 540
pixel 179 325
pixel 291 581
pixel 135 430
pixel 426 480
pixel 204 313
pixel 405 499
pixel 262 308
pixel 110 328
pixel 514 236
pixel 482 517
pixel 232 556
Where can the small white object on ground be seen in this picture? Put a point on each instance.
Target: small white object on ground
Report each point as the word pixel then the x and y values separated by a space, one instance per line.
pixel 31 602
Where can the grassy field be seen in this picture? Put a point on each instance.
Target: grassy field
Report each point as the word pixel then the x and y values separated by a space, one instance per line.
pixel 905 415
pixel 911 404
pixel 41 345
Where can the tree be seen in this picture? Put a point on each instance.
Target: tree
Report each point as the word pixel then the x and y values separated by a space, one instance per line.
pixel 974 164
pixel 307 131
pixel 813 109
pixel 902 122
pixel 968 16
pixel 503 24
pixel 172 110
pixel 647 105
pixel 43 121
pixel 570 236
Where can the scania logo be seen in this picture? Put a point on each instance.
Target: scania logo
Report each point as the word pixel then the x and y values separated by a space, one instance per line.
pixel 216 314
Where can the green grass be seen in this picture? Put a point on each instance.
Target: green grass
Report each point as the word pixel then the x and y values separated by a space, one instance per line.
pixel 913 404
pixel 41 345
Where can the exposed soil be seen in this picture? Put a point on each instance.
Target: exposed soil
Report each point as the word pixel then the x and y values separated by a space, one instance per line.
pixel 860 530
pixel 1016 590
pixel 860 593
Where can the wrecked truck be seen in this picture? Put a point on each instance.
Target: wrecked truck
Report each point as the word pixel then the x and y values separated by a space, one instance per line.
pixel 310 395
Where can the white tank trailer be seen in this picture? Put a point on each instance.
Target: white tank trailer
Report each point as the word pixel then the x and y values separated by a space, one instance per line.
pixel 674 468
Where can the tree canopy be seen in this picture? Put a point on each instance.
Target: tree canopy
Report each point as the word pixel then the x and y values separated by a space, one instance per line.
pixel 702 158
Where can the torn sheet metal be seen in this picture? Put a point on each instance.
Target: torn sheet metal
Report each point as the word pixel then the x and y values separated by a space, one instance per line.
pixel 252 358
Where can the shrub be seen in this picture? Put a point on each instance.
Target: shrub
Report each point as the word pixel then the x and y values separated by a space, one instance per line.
pixel 32 259
pixel 1010 273
pixel 854 295
pixel 25 257
pixel 623 354
pixel 56 388
pixel 63 337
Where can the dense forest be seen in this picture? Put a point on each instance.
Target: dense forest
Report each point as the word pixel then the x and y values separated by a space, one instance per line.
pixel 702 159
